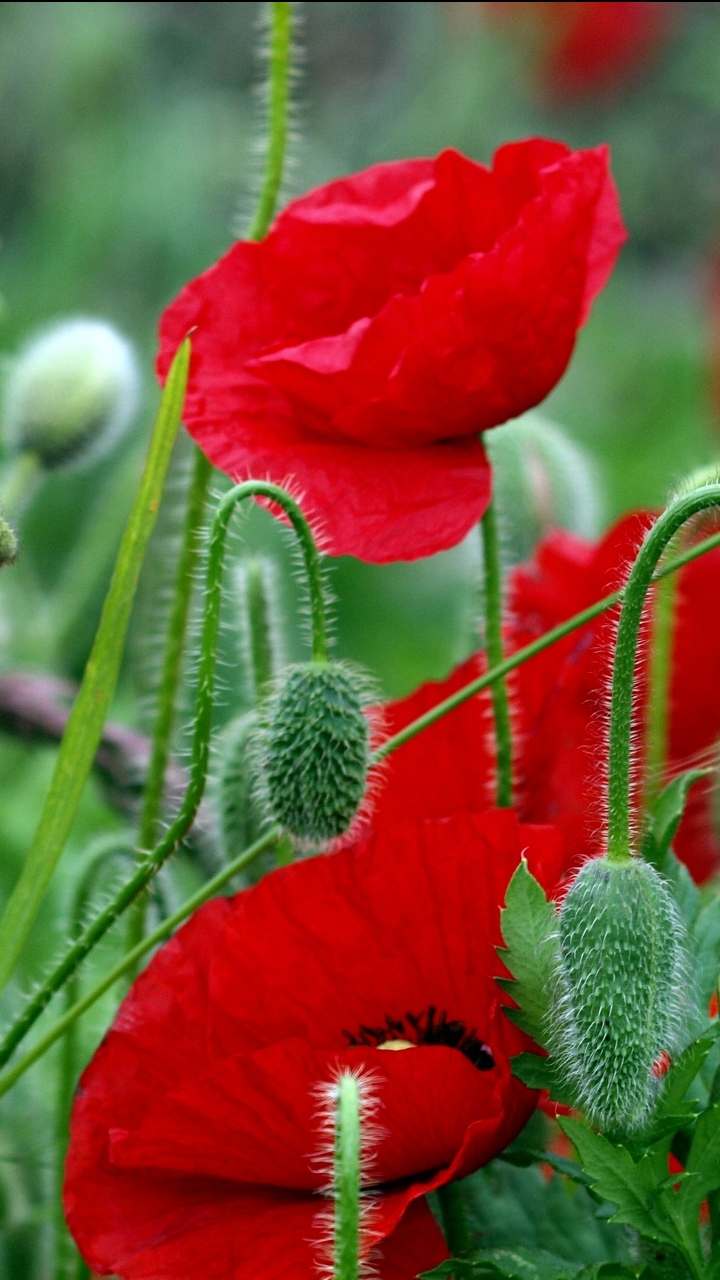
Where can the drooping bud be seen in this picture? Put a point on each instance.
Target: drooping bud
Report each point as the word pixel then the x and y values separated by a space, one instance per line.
pixel 541 478
pixel 8 544
pixel 72 392
pixel 621 989
pixel 316 749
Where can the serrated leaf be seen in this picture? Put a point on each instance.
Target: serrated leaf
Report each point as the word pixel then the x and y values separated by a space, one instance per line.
pixel 539 1073
pixel 682 1074
pixel 667 812
pixel 616 1177
pixel 704 1158
pixel 520 1264
pixel 706 946
pixel 685 892
pixel 523 1157
pixel 528 925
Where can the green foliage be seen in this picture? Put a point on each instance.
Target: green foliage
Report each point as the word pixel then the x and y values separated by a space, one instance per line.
pixel 529 929
pixel 315 750
pixel 622 988
pixel 667 812
pixel 239 811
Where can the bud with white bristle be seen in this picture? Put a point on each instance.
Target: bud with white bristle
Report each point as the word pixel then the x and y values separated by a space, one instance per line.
pixel 71 393
pixel 315 749
pixel 8 544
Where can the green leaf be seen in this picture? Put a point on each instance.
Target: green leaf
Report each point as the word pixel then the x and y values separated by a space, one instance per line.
pixel 706 947
pixel 682 1074
pixel 528 925
pixel 85 726
pixel 616 1177
pixel 528 1264
pixel 523 1157
pixel 540 1073
pixel 703 1160
pixel 667 812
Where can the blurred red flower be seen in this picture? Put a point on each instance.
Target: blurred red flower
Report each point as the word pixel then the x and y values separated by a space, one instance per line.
pixel 560 704
pixel 195 1132
pixel 590 47
pixel 385 321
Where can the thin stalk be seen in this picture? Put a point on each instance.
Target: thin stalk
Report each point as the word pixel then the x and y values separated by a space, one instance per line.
pixel 87 718
pixel 494 649
pixel 131 959
pixel 530 651
pixel 67 1258
pixel 621 704
pixel 346 1179
pixel 455 1227
pixel 200 749
pixel 278 100
pixel 658 715
pixel 171 674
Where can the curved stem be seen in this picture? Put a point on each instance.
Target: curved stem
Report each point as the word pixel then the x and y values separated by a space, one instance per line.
pixel 171 673
pixel 200 749
pixel 157 936
pixel 530 651
pixel 278 95
pixel 658 714
pixel 621 704
pixel 494 650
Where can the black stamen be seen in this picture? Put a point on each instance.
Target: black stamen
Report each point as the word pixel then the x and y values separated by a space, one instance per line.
pixel 429 1027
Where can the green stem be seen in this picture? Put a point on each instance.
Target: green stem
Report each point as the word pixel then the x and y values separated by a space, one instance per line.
pixel 455 1227
pixel 278 95
pixel 658 716
pixel 171 673
pixel 158 935
pixel 621 704
pixel 66 1255
pixel 89 713
pixel 259 624
pixel 200 749
pixel 494 650
pixel 346 1179
pixel 530 651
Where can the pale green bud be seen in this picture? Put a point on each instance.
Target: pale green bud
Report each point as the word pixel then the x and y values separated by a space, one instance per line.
pixel 8 544
pixel 71 393
pixel 316 750
pixel 622 989
pixel 541 479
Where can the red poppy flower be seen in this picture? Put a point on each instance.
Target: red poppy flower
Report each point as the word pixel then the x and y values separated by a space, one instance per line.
pixel 591 46
pixel 195 1133
pixel 560 704
pixel 386 320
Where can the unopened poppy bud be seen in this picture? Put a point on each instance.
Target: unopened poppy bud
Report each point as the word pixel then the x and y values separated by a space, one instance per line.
pixel 8 544
pixel 541 478
pixel 621 989
pixel 316 750
pixel 72 392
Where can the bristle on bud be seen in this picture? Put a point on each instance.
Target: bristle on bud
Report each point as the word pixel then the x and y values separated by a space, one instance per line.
pixel 316 750
pixel 622 988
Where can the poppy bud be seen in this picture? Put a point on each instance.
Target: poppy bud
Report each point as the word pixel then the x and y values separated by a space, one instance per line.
pixel 72 392
pixel 540 478
pixel 316 750
pixel 621 989
pixel 8 544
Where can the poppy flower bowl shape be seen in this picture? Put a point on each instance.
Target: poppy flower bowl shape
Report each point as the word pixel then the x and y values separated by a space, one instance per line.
pixel 197 1143
pixel 385 321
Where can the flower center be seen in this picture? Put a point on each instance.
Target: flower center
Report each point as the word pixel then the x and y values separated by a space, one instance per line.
pixel 428 1027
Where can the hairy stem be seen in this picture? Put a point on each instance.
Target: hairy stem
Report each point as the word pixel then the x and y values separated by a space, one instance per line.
pixel 658 717
pixel 529 651
pixel 346 1179
pixel 494 650
pixel 278 101
pixel 171 674
pixel 200 749
pixel 621 705
pixel 158 935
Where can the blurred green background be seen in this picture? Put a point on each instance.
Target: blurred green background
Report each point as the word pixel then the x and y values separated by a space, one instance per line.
pixel 128 162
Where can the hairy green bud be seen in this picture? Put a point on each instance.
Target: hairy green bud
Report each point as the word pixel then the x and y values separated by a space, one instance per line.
pixel 8 544
pixel 621 989
pixel 316 750
pixel 72 392
pixel 540 478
